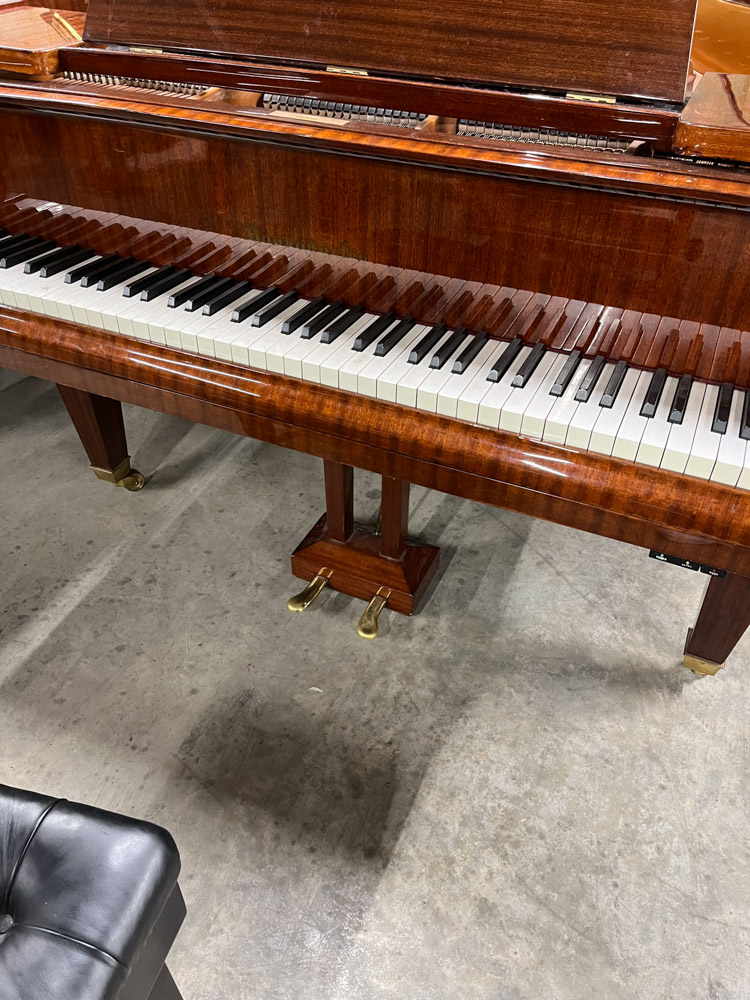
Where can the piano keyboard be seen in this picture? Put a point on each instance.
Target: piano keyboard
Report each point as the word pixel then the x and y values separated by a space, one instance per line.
pixel 564 397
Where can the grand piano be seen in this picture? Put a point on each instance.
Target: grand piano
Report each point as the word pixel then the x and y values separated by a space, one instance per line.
pixel 499 251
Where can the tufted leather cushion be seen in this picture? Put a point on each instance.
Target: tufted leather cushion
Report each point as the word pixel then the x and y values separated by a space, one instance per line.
pixel 80 890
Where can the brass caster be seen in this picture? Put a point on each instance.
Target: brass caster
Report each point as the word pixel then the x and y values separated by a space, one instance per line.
pixel 704 668
pixel 368 623
pixel 303 600
pixel 123 475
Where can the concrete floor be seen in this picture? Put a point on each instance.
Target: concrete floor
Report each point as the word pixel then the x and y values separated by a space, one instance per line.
pixel 519 793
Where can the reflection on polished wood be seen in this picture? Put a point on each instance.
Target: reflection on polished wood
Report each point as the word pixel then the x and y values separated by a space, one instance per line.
pixel 716 119
pixel 721 43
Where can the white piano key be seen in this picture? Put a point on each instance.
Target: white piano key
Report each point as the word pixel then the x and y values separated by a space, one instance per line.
pixel 604 433
pixel 457 385
pixel 201 327
pixel 536 413
pixel 583 419
pixel 633 424
pixel 515 405
pixel 368 378
pixel 730 460
pixel 343 365
pixel 493 401
pixel 680 440
pixel 295 356
pixel 656 434
pixel 408 385
pixel 111 312
pixel 267 353
pixel 428 391
pixel 398 367
pixel 467 405
pixel 557 423
pixel 705 446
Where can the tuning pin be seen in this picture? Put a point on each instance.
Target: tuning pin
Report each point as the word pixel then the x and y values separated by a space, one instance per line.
pixel 303 600
pixel 368 623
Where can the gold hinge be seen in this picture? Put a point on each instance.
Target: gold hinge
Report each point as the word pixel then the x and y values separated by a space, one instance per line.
pixel 592 98
pixel 347 70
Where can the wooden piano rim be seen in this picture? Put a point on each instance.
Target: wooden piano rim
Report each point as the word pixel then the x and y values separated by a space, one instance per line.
pixel 708 523
pixel 630 175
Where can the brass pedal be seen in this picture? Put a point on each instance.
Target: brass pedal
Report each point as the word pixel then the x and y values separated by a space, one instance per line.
pixel 367 627
pixel 303 600
pixel 123 475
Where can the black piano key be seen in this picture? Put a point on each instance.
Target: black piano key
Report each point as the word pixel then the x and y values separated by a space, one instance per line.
pixel 590 379
pixel 529 366
pixel 745 422
pixel 59 253
pixel 394 336
pixel 449 348
pixel 118 277
pixel 181 296
pixel 63 264
pixel 248 309
pixel 199 299
pixel 14 257
pixel 680 400
pixel 3 234
pixel 305 313
pixel 136 287
pixel 334 331
pixel 321 321
pixel 425 345
pixel 275 309
pixel 227 298
pixel 653 393
pixel 165 284
pixel 723 406
pixel 568 371
pixel 78 273
pixel 118 267
pixel 469 353
pixel 614 385
pixel 372 332
pixel 16 242
pixel 506 359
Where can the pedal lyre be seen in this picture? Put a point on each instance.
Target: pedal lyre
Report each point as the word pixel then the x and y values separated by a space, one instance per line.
pixel 303 600
pixel 368 623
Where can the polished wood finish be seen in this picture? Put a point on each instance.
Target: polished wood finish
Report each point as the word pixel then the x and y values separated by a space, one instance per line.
pixel 723 618
pixel 716 120
pixel 482 219
pixel 700 521
pixel 394 517
pixel 357 560
pixel 640 48
pixel 359 568
pixel 31 39
pixel 100 427
pixel 652 123
pixel 721 41
pixel 339 483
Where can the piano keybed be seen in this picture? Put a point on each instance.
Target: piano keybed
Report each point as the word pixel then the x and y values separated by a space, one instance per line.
pixel 639 387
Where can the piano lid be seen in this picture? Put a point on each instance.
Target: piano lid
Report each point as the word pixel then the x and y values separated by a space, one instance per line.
pixel 635 48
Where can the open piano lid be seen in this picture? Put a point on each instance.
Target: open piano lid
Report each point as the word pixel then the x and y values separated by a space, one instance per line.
pixel 636 48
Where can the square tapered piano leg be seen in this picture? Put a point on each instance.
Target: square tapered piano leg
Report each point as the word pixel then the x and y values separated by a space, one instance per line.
pixel 723 618
pixel 385 569
pixel 100 427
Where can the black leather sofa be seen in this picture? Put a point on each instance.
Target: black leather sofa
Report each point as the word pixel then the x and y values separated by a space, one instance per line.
pixel 89 902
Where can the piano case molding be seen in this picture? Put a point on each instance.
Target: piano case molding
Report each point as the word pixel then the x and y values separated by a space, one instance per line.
pixel 453 211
